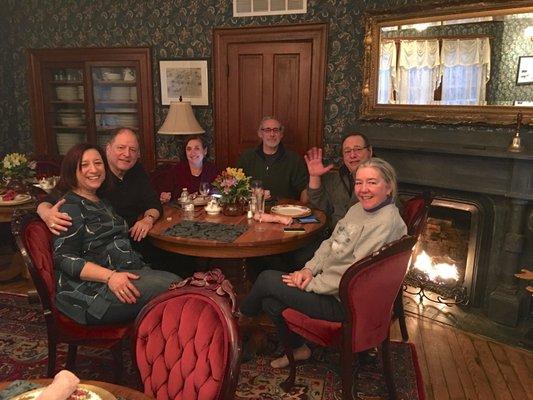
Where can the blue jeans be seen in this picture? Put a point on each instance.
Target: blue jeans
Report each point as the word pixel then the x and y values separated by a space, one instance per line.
pixel 271 295
pixel 151 283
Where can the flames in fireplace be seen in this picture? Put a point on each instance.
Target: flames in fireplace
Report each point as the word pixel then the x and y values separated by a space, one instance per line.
pixel 436 272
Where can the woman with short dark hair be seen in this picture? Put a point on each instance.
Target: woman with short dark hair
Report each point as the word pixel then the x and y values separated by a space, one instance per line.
pixel 100 279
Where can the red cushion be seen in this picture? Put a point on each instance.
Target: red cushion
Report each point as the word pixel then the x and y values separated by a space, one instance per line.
pixel 91 335
pixel 39 245
pixel 324 333
pixel 182 349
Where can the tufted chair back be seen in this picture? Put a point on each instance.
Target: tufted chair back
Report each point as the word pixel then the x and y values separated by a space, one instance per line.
pixel 34 241
pixel 186 341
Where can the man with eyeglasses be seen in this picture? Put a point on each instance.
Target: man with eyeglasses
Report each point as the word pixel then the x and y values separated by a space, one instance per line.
pixel 333 191
pixel 131 194
pixel 280 170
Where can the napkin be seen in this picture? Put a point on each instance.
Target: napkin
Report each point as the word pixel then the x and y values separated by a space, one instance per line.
pixel 280 219
pixel 63 385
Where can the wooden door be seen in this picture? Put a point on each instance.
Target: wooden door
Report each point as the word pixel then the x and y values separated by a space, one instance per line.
pixel 268 71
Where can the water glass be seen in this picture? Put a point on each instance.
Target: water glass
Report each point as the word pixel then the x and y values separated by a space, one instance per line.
pixel 256 185
pixel 259 199
pixel 204 189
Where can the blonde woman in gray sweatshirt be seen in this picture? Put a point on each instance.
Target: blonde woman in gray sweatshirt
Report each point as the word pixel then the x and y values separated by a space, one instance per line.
pixel 314 290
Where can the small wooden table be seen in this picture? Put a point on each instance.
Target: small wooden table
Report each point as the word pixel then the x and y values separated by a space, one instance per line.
pixel 269 240
pixel 115 390
pixel 12 265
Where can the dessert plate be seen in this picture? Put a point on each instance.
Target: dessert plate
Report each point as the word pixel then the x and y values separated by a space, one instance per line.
pixel 291 210
pixel 19 199
pixel 82 392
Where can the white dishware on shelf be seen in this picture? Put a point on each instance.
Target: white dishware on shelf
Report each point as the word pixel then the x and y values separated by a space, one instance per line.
pixel 66 140
pixel 111 76
pixel 128 75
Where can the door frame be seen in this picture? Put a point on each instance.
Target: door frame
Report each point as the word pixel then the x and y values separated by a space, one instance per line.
pixel 317 34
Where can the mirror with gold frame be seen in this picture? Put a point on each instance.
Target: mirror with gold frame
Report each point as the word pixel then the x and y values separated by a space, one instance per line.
pixel 450 64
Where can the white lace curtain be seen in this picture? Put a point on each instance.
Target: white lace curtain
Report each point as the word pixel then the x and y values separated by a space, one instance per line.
pixel 419 71
pixel 387 72
pixel 462 64
pixel 465 70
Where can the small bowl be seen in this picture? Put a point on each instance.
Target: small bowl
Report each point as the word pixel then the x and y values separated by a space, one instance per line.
pixel 215 211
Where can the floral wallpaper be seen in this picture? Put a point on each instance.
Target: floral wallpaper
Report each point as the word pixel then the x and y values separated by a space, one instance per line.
pixel 174 29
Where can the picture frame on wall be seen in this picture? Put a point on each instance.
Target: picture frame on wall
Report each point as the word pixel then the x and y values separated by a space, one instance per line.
pixel 524 75
pixel 185 78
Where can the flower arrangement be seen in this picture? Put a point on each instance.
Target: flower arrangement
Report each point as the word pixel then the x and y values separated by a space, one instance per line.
pixel 233 185
pixel 16 166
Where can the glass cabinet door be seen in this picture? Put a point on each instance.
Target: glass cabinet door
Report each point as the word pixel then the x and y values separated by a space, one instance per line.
pixel 66 95
pixel 115 100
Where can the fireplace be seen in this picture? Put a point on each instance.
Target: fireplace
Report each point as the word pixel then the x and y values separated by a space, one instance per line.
pixel 498 183
pixel 447 256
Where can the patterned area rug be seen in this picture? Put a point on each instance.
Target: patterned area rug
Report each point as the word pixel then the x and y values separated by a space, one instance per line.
pixel 23 355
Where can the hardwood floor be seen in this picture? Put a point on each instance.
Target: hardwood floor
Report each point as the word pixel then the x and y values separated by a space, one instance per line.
pixel 460 365
pixel 454 364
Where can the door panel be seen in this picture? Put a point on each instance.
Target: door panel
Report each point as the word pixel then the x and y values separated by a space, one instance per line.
pixel 268 71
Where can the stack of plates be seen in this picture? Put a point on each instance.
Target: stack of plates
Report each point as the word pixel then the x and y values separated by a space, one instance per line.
pixel 66 140
pixel 67 93
pixel 70 119
pixel 133 93
pixel 81 93
pixel 120 93
pixel 111 76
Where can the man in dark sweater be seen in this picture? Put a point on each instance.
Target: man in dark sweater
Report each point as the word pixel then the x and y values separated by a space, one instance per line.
pixel 131 195
pixel 280 170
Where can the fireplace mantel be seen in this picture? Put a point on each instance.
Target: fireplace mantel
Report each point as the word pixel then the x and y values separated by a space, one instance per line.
pixel 471 168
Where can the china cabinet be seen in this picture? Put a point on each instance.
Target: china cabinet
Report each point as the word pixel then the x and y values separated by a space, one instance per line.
pixel 81 95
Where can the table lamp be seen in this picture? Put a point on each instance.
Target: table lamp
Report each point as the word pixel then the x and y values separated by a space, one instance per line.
pixel 180 120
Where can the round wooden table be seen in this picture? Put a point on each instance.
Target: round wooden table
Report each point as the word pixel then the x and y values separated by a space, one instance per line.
pixel 115 390
pixel 261 239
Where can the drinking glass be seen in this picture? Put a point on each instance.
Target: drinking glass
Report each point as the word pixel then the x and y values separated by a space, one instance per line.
pixel 259 196
pixel 256 185
pixel 204 189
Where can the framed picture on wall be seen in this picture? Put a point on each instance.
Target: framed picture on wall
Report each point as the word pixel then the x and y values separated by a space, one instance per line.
pixel 185 78
pixel 524 75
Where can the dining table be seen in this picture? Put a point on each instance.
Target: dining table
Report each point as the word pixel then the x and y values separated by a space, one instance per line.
pixel 117 391
pixel 257 238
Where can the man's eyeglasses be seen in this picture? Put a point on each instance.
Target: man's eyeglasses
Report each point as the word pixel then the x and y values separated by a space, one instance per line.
pixel 271 130
pixel 354 149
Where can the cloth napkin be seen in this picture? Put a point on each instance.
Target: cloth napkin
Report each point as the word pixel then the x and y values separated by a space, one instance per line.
pixel 279 219
pixel 63 385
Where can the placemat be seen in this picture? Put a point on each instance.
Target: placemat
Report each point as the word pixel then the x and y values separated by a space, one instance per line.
pixel 206 230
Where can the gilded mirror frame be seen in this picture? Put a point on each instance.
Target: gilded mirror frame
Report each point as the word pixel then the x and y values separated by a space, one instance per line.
pixel 489 114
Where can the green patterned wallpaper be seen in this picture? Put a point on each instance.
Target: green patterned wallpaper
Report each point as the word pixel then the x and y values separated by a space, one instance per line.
pixel 175 29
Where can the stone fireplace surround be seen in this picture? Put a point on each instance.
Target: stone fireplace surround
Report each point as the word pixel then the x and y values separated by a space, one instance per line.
pixel 453 165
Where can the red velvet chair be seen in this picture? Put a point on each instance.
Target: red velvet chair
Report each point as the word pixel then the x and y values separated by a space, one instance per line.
pixel 186 341
pixel 414 214
pixel 34 242
pixel 367 291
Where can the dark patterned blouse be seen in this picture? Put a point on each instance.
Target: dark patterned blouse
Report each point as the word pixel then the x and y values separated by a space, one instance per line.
pixel 98 235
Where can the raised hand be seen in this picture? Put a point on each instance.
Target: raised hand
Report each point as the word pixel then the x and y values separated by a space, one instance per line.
pixel 314 162
pixel 165 197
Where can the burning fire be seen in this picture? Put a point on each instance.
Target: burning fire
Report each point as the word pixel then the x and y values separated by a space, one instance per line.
pixel 435 272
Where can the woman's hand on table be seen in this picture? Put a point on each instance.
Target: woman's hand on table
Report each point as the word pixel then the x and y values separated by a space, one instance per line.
pixel 122 287
pixel 165 197
pixel 141 228
pixel 55 220
pixel 298 279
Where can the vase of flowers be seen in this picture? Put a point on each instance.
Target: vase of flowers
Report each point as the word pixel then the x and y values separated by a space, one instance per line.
pixel 234 188
pixel 16 170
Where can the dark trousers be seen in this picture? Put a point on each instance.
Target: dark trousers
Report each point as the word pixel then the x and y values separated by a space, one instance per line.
pixel 271 295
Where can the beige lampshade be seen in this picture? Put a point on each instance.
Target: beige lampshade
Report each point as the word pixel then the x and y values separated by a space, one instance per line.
pixel 180 120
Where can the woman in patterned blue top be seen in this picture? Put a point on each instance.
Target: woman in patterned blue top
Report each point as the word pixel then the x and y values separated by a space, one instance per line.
pixel 100 279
